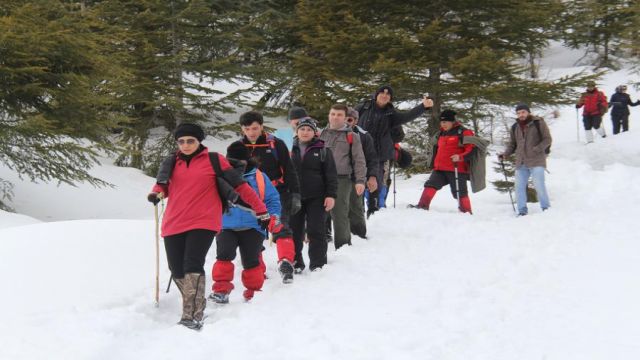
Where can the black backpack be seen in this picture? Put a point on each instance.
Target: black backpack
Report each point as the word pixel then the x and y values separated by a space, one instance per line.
pixel 547 150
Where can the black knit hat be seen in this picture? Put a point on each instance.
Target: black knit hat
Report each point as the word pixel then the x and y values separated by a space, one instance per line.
pixel 307 122
pixel 522 106
pixel 448 115
pixel 237 150
pixel 187 129
pixel 297 112
pixel 382 89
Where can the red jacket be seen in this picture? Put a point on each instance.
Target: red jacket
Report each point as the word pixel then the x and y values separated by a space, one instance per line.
pixel 194 202
pixel 449 145
pixel 590 101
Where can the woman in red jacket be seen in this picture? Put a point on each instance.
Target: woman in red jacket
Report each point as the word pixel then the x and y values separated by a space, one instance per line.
pixel 194 214
pixel 448 154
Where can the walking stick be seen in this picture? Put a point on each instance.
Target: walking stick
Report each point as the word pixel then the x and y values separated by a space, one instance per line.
pixel 455 171
pixel 394 184
pixel 578 124
pixel 513 206
pixel 156 302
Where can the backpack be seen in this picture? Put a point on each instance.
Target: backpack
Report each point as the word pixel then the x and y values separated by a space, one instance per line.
pixel 403 157
pixel 547 150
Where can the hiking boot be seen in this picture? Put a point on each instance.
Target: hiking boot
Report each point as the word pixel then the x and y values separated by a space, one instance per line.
pixel 191 324
pixel 219 298
pixel 286 271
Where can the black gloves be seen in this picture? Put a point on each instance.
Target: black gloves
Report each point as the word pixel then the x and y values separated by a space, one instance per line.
pixel 154 198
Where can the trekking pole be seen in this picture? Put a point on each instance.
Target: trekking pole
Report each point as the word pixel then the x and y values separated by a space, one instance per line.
pixel 394 184
pixel 156 302
pixel 513 206
pixel 578 124
pixel 455 171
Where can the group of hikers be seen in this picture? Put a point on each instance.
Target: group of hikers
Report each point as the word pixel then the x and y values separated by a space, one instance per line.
pixel 309 185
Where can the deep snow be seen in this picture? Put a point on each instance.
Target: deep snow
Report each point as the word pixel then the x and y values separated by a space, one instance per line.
pixel 426 285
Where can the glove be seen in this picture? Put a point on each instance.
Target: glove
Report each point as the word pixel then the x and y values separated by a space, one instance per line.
pixel 263 220
pixel 296 203
pixel 372 204
pixel 153 198
pixel 275 226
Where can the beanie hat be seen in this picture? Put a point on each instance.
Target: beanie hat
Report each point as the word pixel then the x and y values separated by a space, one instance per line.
pixel 382 89
pixel 522 106
pixel 307 122
pixel 351 112
pixel 448 115
pixel 297 112
pixel 237 150
pixel 186 129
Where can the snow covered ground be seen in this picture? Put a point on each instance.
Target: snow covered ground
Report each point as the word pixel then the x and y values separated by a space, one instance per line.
pixel 426 285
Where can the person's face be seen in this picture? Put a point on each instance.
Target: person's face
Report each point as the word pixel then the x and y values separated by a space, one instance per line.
pixel 383 98
pixel 590 87
pixel 253 131
pixel 624 89
pixel 294 123
pixel 351 121
pixel 305 134
pixel 188 144
pixel 337 118
pixel 446 125
pixel 522 114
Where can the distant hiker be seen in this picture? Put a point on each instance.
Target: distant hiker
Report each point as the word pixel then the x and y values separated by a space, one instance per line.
pixel 319 182
pixel 274 161
pixel 194 213
pixel 595 106
pixel 380 118
pixel 351 167
pixel 240 230
pixel 287 134
pixel 620 101
pixel 448 157
pixel 530 140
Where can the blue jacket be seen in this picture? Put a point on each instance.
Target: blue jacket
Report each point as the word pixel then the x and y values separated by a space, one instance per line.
pixel 238 218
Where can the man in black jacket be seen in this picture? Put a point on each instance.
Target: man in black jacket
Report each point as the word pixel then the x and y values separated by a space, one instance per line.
pixel 620 101
pixel 378 116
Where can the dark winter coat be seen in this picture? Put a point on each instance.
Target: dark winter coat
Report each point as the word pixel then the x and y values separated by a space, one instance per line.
pixel 451 143
pixel 317 170
pixel 378 122
pixel 620 103
pixel 280 170
pixel 528 145
pixel 370 155
pixel 594 102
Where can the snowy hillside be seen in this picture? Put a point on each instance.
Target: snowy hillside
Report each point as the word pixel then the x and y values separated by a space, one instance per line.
pixel 426 285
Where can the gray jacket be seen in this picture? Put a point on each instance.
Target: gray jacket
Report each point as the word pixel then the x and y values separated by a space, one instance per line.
pixel 349 158
pixel 477 162
pixel 529 146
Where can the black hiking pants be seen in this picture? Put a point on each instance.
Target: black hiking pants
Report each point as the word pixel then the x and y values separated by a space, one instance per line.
pixel 186 252
pixel 250 244
pixel 310 222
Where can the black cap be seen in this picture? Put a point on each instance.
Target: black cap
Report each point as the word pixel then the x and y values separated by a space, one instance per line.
pixel 448 115
pixel 522 106
pixel 382 89
pixel 186 129
pixel 297 112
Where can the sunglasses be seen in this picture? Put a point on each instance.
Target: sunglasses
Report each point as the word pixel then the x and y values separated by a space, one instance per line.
pixel 186 141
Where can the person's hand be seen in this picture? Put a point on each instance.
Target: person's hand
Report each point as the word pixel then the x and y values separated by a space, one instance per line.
pixel 155 198
pixel 359 189
pixel 455 158
pixel 275 226
pixel 296 203
pixel 263 220
pixel 427 103
pixel 329 202
pixel 372 184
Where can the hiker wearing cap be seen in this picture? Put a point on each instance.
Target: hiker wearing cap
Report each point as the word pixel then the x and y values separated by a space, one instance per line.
pixel 357 220
pixel 595 106
pixel 620 102
pixel 194 213
pixel 286 134
pixel 351 167
pixel 530 140
pixel 240 230
pixel 274 161
pixel 319 185
pixel 448 162
pixel 379 117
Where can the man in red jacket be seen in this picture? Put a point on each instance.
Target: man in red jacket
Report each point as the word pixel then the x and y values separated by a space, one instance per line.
pixel 595 105
pixel 448 154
